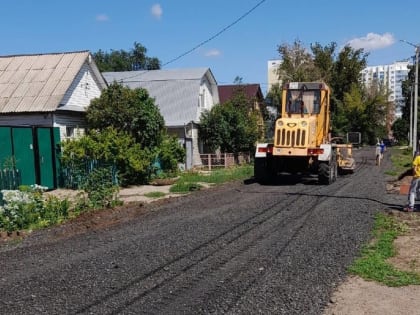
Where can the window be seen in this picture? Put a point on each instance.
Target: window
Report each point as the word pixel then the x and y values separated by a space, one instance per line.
pixel 202 100
pixel 303 102
pixel 69 132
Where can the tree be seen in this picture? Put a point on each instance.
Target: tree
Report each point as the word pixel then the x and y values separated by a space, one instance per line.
pixel 169 154
pixel 400 130
pixel 128 110
pixel 324 60
pixel 352 107
pixel 365 111
pixel 126 130
pixel 346 71
pixel 111 147
pixel 238 80
pixel 121 60
pixel 297 63
pixel 230 127
pixel 273 104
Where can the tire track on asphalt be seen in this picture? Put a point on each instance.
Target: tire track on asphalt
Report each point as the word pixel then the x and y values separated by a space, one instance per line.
pixel 154 282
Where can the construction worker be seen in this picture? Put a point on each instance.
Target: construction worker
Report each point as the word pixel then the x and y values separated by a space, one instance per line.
pixel 412 195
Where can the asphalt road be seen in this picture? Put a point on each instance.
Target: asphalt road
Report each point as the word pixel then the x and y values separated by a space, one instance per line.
pixel 240 248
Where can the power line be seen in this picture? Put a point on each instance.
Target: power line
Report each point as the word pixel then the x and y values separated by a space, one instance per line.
pixel 216 35
pixel 207 40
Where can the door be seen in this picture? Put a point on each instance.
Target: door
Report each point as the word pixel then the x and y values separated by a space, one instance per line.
pixel 23 149
pixel 6 151
pixel 45 144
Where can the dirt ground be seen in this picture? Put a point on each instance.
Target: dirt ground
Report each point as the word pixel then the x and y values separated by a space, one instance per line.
pixel 360 297
pixel 354 297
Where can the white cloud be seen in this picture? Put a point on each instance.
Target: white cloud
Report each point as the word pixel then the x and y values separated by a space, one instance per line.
pixel 372 41
pixel 213 53
pixel 156 11
pixel 102 18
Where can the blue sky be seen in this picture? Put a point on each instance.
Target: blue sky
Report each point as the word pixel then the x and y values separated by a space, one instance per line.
pixel 231 37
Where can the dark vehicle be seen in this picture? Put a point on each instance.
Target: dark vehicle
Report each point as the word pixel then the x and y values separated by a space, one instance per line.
pixel 354 138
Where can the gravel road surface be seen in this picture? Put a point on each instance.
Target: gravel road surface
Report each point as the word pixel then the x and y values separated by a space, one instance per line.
pixel 240 248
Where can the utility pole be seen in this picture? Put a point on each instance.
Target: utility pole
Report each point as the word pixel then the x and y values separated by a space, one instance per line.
pixel 416 89
pixel 410 132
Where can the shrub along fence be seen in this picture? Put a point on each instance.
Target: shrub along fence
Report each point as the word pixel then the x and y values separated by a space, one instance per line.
pixel 75 175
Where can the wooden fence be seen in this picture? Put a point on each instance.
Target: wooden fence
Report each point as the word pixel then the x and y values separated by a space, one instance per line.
pixel 222 160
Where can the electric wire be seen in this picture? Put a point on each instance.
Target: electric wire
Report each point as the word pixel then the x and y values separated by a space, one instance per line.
pixel 216 35
pixel 203 42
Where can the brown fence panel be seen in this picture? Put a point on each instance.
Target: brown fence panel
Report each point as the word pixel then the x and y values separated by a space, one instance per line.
pixel 222 160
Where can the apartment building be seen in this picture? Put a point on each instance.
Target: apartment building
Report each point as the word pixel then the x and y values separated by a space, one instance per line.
pixel 391 76
pixel 272 75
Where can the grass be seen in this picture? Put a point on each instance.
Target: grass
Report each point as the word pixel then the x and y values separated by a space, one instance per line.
pixel 190 181
pixel 154 194
pixel 372 264
pixel 401 159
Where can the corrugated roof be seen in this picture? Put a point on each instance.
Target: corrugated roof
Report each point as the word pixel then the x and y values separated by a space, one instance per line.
pixel 226 92
pixel 38 83
pixel 176 91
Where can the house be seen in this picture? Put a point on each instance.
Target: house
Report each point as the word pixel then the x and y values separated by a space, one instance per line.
pixel 181 96
pixel 49 90
pixel 43 98
pixel 253 93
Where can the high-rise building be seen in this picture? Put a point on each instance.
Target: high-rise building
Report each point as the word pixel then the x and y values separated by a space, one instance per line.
pixel 391 77
pixel 273 77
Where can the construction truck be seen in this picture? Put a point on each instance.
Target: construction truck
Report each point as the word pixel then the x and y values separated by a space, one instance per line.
pixel 302 140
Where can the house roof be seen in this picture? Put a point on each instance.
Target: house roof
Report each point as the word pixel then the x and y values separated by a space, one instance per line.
pixel 226 92
pixel 38 83
pixel 176 91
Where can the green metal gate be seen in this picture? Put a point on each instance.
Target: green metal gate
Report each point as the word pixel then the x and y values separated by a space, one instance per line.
pixel 45 157
pixel 6 147
pixel 23 151
pixel 34 152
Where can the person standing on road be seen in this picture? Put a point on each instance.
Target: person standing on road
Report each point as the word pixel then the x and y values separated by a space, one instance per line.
pixel 383 148
pixel 412 194
pixel 378 154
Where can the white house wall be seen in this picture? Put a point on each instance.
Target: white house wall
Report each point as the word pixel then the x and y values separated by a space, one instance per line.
pixel 83 89
pixel 70 116
pixel 205 98
pixel 188 133
pixel 69 120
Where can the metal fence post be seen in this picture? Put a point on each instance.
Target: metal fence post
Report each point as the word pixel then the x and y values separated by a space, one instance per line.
pixel 209 161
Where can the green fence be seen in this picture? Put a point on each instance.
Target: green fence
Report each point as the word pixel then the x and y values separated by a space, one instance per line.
pixel 10 179
pixel 75 175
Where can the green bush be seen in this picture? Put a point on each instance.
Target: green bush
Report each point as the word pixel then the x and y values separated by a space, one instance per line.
pixel 26 208
pixel 170 153
pixel 112 148
pixel 101 192
pixel 29 208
